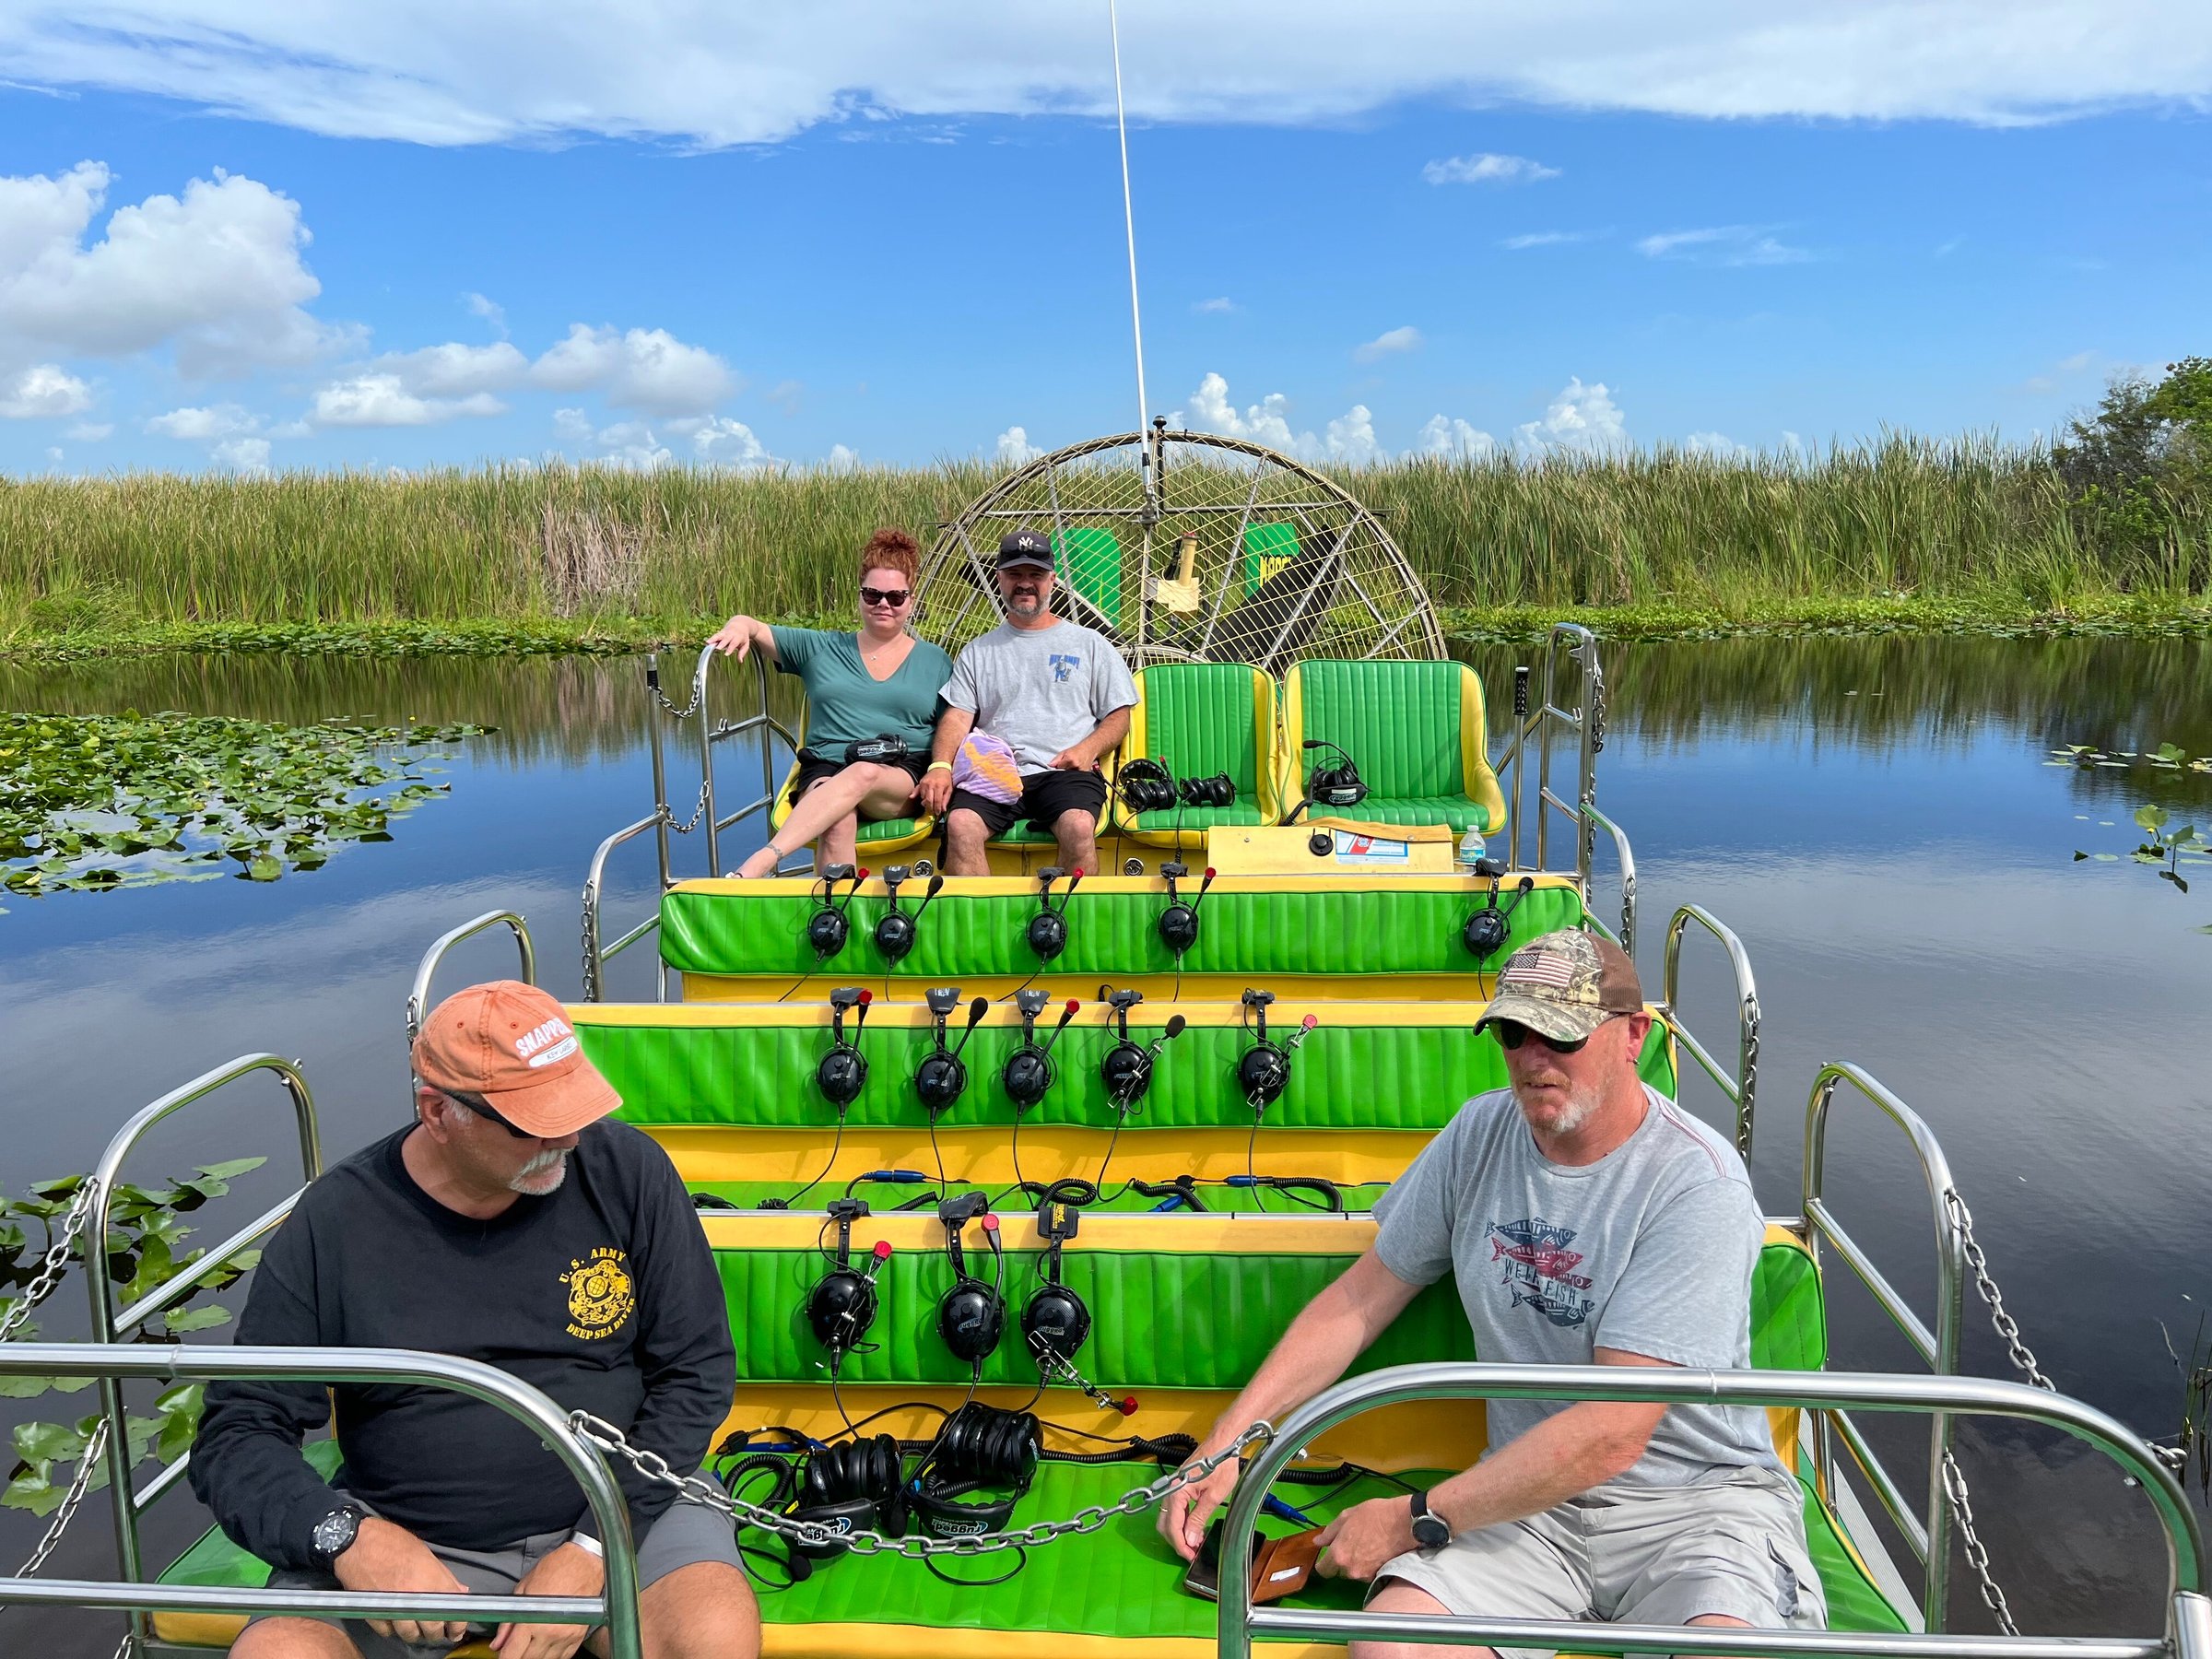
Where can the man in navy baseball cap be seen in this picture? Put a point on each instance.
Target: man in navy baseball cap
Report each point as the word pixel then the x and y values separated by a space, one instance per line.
pixel 1024 549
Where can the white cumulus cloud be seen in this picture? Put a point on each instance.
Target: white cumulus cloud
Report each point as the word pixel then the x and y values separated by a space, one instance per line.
pixel 383 400
pixel 1451 439
pixel 457 371
pixel 1486 168
pixel 842 459
pixel 1349 437
pixel 203 425
pixel 648 370
pixel 1015 448
pixel 1387 344
pixel 44 392
pixel 243 455
pixel 1580 420
pixel 1715 446
pixel 216 275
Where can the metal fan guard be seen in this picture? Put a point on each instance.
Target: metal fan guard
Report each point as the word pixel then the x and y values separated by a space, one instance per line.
pixel 1284 564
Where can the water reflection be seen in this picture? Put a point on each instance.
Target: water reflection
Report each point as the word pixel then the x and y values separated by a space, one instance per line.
pixel 1872 815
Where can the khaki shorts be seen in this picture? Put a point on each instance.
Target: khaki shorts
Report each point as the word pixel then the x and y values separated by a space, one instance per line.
pixel 686 1535
pixel 1635 1555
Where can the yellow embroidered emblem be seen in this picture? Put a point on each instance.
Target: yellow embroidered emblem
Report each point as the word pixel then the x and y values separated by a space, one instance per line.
pixel 600 1297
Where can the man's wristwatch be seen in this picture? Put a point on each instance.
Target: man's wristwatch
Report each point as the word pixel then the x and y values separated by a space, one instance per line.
pixel 332 1536
pixel 1429 1530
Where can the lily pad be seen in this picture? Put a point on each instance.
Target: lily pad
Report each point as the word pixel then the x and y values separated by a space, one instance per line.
pixel 95 802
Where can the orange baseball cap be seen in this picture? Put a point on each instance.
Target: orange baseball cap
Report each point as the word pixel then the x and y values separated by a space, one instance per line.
pixel 513 1045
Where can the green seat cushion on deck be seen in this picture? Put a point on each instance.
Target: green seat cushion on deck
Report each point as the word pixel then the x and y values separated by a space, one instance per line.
pixel 1400 721
pixel 884 830
pixel 1456 812
pixel 1325 928
pixel 1345 1076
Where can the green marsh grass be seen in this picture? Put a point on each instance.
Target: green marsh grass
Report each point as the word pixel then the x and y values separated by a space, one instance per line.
pixel 1931 520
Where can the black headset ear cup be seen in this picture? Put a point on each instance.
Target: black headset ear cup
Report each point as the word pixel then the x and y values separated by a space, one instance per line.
pixel 1028 1076
pixel 841 1309
pixel 940 1079
pixel 1127 1073
pixel 1147 786
pixel 971 1318
pixel 842 1073
pixel 1048 934
pixel 1264 1073
pixel 827 931
pixel 1056 1318
pixel 894 935
pixel 1485 932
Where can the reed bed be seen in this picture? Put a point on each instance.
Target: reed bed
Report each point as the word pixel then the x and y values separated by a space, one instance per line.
pixel 1939 519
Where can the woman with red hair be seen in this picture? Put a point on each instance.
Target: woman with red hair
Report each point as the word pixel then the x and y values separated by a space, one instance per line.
pixel 879 682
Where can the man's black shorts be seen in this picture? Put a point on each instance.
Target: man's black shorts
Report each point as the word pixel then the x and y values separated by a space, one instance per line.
pixel 1045 796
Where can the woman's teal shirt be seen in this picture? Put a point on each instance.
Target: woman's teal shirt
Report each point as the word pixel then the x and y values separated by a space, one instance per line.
pixel 846 703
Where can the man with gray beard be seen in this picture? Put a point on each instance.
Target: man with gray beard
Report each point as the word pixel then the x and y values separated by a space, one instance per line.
pixel 1586 1219
pixel 512 1224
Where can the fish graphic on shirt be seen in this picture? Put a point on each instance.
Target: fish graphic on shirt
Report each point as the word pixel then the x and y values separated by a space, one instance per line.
pixel 1539 1268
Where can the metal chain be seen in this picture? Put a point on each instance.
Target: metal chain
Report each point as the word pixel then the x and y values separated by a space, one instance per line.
pixel 1977 1554
pixel 591 957
pixel 79 1483
pixel 861 1541
pixel 56 1263
pixel 689 708
pixel 697 812
pixel 2022 1356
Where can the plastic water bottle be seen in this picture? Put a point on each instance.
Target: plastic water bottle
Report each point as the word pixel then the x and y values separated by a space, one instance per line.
pixel 1471 847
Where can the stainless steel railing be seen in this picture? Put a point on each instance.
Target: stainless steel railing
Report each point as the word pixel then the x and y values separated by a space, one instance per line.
pixel 2190 1624
pixel 1742 1090
pixel 1930 1539
pixel 663 820
pixel 113 1363
pixel 1585 723
pixel 419 997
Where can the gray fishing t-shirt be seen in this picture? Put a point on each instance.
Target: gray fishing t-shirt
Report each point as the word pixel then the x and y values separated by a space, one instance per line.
pixel 1041 689
pixel 1651 1250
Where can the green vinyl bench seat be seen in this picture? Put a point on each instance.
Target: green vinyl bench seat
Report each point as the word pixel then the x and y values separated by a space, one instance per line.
pixel 1414 730
pixel 1200 720
pixel 1191 1322
pixel 744 939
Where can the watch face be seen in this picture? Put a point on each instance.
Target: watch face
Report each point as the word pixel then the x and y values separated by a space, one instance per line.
pixel 334 1533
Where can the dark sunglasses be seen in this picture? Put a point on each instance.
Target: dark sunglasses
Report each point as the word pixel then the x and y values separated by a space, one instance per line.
pixel 884 597
pixel 485 1111
pixel 1512 1034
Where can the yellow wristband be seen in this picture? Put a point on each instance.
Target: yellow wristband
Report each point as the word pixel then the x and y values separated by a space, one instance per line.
pixel 937 766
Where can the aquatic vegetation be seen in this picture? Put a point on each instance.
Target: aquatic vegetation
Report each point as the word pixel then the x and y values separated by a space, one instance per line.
pixel 89 803
pixel 146 1232
pixel 2163 848
pixel 1900 521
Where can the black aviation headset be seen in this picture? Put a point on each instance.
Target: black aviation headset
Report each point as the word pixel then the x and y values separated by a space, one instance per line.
pixel 1148 786
pixel 1047 931
pixel 1055 1321
pixel 1028 1073
pixel 849 1485
pixel 1488 929
pixel 827 928
pixel 1178 924
pixel 972 1316
pixel 1337 785
pixel 842 1072
pixel 896 931
pixel 978 1447
pixel 842 1304
pixel 942 1077
pixel 1126 1071
pixel 1263 1070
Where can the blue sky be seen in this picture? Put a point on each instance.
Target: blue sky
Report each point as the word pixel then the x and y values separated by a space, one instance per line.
pixel 235 234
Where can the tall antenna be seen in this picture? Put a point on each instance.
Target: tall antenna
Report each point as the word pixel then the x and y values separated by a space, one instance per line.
pixel 1137 322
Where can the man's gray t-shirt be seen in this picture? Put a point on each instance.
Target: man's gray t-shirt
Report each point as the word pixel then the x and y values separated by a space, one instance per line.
pixel 1040 689
pixel 1650 1250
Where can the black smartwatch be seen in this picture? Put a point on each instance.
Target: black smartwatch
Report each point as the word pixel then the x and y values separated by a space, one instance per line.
pixel 1430 1532
pixel 332 1536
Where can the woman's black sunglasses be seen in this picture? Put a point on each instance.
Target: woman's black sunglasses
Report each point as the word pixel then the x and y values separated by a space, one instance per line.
pixel 485 1111
pixel 886 597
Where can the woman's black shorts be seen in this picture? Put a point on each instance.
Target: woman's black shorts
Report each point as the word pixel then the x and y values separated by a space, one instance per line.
pixel 814 767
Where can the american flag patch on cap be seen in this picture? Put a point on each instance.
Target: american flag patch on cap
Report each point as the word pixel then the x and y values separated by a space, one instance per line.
pixel 1552 967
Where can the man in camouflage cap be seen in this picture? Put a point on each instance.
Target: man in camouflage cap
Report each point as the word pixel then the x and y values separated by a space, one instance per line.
pixel 1586 1219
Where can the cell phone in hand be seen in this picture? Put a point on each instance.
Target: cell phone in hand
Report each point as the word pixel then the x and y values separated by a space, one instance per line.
pixel 1204 1577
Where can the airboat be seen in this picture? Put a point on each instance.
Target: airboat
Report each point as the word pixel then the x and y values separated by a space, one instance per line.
pixel 1174 1104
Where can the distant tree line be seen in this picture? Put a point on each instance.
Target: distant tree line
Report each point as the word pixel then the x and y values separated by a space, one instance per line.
pixel 2142 465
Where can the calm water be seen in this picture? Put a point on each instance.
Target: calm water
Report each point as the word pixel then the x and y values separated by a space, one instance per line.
pixel 1872 817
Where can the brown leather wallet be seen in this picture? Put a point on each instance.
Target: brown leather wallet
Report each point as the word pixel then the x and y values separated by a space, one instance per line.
pixel 1283 1566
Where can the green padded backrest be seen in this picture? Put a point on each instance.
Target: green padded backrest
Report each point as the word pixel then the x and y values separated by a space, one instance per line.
pixel 1090 562
pixel 1260 932
pixel 744 1074
pixel 1199 719
pixel 1399 721
pixel 1163 1319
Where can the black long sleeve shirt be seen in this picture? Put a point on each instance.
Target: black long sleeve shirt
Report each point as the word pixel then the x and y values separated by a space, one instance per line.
pixel 602 1293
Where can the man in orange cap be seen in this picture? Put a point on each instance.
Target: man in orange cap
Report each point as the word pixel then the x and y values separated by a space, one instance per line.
pixel 508 1224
